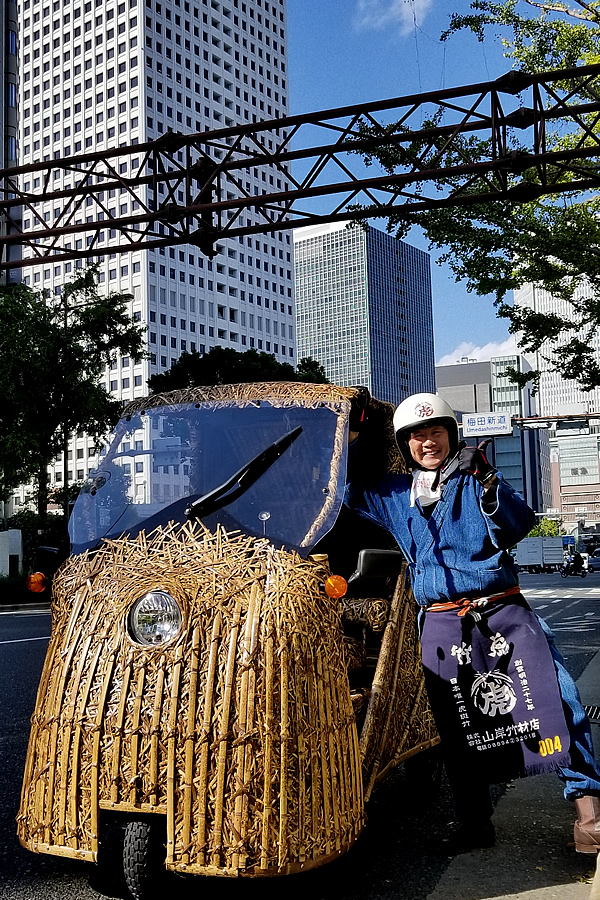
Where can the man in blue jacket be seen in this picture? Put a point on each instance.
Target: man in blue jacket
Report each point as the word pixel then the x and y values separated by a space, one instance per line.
pixel 503 701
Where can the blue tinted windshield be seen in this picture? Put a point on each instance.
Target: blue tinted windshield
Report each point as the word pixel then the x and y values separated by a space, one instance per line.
pixel 163 459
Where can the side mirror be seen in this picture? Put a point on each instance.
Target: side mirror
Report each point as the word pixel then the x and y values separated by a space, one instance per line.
pixel 377 564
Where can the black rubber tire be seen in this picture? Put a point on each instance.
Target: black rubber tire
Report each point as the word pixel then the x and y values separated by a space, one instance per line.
pixel 583 574
pixel 143 857
pixel 563 573
pixel 106 877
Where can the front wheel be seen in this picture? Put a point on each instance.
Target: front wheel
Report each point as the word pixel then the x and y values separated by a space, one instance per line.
pixel 563 573
pixel 143 857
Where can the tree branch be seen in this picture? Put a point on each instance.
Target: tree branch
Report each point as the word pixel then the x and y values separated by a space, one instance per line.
pixel 562 8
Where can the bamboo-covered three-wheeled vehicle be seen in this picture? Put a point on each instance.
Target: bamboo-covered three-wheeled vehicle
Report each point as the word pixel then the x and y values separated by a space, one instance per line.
pixel 199 676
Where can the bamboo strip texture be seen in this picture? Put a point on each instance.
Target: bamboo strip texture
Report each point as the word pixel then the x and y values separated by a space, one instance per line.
pixel 241 732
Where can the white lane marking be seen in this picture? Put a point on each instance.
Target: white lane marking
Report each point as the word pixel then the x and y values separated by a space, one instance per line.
pixel 578 629
pixel 558 612
pixel 26 640
pixel 26 612
pixel 542 606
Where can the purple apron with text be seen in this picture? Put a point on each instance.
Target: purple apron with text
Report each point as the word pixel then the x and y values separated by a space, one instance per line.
pixel 493 690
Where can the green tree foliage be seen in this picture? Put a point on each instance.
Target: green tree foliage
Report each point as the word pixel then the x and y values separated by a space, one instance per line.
pixel 61 495
pixel 53 354
pixel 38 531
pixel 222 365
pixel 311 371
pixel 545 528
pixel 553 241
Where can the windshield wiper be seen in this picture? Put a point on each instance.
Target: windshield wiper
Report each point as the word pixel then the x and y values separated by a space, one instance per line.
pixel 243 479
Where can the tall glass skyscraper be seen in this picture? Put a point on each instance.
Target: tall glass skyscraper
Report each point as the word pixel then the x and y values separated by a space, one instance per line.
pixel 96 74
pixel 364 308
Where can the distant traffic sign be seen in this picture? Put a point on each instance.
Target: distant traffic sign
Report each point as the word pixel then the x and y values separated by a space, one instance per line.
pixel 486 424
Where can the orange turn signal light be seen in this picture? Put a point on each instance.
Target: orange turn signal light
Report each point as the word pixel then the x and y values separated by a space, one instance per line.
pixel 36 583
pixel 336 587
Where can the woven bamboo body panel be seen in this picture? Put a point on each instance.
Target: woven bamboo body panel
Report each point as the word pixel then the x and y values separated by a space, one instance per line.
pixel 399 722
pixel 279 393
pixel 241 732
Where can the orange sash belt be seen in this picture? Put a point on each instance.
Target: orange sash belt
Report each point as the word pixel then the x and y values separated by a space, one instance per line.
pixel 469 604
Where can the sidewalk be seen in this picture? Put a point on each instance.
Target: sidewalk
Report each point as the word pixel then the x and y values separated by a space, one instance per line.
pixel 532 859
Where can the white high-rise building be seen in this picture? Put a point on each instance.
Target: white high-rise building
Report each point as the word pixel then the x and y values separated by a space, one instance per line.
pixel 96 74
pixel 574 444
pixel 556 395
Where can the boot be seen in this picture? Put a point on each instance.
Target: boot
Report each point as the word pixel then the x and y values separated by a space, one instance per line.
pixel 587 827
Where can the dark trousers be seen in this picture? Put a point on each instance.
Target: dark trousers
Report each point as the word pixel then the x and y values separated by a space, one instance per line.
pixel 470 791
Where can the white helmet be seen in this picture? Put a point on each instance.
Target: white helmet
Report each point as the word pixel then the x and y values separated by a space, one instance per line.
pixel 421 410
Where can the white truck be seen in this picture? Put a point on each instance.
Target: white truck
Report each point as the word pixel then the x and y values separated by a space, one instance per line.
pixel 540 554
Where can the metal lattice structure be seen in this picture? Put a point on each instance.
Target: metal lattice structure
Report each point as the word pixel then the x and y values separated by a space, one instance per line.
pixel 190 188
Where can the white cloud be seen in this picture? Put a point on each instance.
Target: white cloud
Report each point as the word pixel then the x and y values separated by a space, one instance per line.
pixel 381 14
pixel 481 354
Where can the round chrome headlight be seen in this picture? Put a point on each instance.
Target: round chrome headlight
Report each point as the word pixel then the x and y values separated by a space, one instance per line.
pixel 154 619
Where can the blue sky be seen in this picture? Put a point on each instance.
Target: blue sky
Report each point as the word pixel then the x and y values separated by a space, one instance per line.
pixel 349 51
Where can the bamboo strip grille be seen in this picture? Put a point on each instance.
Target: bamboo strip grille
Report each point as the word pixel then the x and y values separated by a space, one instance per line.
pixel 242 732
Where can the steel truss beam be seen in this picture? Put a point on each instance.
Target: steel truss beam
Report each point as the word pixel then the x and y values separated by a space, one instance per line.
pixel 558 421
pixel 192 189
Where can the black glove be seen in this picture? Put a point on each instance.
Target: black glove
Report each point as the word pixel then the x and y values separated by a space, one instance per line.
pixel 472 461
pixel 358 409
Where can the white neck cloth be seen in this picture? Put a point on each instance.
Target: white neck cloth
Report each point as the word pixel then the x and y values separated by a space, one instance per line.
pixel 427 485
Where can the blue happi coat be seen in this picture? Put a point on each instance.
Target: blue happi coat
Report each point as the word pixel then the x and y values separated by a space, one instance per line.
pixel 461 550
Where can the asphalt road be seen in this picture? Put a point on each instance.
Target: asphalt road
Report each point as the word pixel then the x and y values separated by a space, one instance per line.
pixel 398 857
pixel 571 606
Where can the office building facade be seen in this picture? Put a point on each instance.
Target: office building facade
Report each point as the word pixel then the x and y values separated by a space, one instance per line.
pixel 364 308
pixel 523 456
pixel 556 395
pixel 9 30
pixel 576 477
pixel 96 74
pixel 574 444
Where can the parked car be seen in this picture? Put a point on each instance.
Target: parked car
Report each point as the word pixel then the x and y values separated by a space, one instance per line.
pixel 593 560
